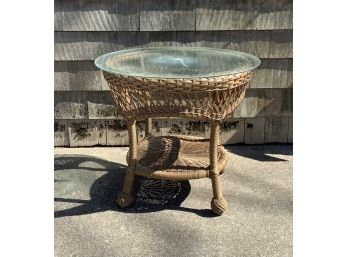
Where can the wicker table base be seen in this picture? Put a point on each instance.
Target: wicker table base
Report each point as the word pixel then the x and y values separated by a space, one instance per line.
pixel 205 99
pixel 155 93
pixel 175 158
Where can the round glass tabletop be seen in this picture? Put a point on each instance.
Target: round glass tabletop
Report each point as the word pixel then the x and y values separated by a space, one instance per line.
pixel 177 62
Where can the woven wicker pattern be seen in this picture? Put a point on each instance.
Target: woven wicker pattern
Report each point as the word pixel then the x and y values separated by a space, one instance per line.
pixel 206 99
pixel 176 158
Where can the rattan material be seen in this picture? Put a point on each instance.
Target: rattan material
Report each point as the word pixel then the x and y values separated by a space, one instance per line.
pixel 206 99
pixel 176 158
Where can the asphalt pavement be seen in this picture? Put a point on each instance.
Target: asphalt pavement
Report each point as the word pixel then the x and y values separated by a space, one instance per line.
pixel 173 218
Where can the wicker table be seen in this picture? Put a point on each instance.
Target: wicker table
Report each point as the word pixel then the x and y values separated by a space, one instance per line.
pixel 196 83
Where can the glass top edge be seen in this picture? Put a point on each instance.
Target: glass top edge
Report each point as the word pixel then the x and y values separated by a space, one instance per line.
pixel 254 59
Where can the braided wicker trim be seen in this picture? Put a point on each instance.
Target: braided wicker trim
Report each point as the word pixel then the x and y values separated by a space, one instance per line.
pixel 179 85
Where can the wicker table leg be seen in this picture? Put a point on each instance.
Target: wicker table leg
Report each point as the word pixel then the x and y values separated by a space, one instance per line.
pixel 148 126
pixel 125 197
pixel 218 203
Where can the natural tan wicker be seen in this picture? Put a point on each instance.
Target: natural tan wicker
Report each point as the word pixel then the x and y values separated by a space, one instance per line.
pixel 176 158
pixel 208 99
pixel 169 157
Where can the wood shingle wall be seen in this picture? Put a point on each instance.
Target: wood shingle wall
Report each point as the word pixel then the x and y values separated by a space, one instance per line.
pixel 85 29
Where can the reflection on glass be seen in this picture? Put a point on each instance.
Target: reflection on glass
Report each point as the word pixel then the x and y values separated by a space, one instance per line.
pixel 177 62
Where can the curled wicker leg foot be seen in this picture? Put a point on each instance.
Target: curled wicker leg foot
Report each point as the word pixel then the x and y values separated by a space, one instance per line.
pixel 124 199
pixel 219 205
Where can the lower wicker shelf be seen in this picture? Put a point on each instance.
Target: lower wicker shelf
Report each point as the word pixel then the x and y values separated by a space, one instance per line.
pixel 176 158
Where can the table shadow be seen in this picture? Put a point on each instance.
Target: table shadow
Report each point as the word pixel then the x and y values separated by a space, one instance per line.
pixel 263 152
pixel 150 195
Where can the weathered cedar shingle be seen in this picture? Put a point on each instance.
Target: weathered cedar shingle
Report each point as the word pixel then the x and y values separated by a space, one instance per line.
pixel 280 44
pixel 174 38
pixel 259 102
pixel 117 133
pixel 276 129
pixel 100 105
pixel 286 101
pixel 232 131
pixel 243 14
pixel 61 133
pixel 253 42
pixel 70 105
pixel 273 73
pixel 96 15
pixel 172 15
pixel 89 45
pixel 167 15
pixel 77 75
pixel 255 130
pixel 290 131
pixel 87 133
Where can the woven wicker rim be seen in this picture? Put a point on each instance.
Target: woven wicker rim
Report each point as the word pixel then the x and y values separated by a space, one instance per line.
pixel 196 85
